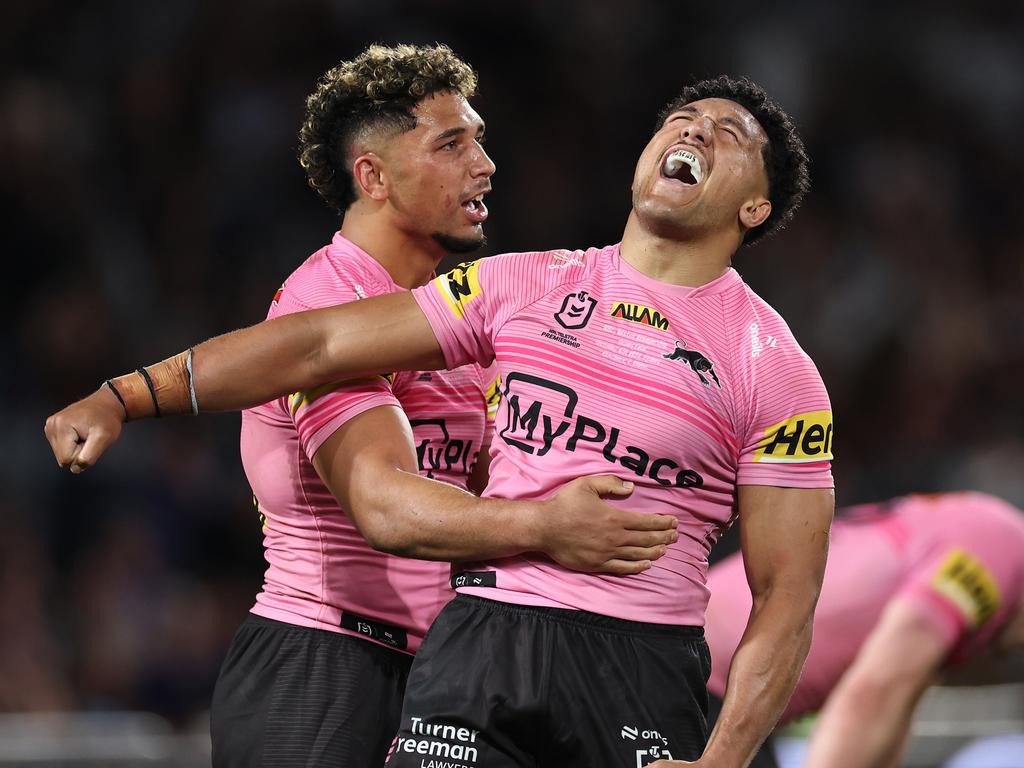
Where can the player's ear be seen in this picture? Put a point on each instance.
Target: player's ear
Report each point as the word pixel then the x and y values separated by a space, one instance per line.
pixel 754 212
pixel 370 174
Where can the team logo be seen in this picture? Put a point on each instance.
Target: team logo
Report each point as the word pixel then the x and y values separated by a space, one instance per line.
pixel 697 360
pixel 638 313
pixel 800 439
pixel 576 310
pixel 459 287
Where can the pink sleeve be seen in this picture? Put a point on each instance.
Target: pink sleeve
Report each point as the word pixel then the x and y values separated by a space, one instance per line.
pixel 788 433
pixel 962 593
pixel 457 305
pixel 319 412
pixel 467 306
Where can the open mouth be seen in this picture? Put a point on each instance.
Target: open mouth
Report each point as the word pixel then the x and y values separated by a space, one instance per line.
pixel 475 209
pixel 683 166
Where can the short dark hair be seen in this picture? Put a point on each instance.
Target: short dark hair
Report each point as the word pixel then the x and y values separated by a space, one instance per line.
pixel 377 90
pixel 785 159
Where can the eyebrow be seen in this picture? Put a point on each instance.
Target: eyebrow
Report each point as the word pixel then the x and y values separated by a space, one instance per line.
pixel 458 131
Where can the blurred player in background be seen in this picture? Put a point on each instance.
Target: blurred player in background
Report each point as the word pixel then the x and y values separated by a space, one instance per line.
pixel 650 358
pixel 315 675
pixel 913 586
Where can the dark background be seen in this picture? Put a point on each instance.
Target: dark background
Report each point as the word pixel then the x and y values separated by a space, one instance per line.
pixel 150 198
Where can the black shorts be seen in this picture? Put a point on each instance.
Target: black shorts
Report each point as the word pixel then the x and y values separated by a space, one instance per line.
pixel 294 696
pixel 497 685
pixel 765 757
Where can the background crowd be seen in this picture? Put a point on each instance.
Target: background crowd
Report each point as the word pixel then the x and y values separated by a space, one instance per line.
pixel 150 198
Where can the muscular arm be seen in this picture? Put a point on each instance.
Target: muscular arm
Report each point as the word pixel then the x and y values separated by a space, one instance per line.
pixel 867 717
pixel 300 350
pixel 252 366
pixel 369 464
pixel 784 537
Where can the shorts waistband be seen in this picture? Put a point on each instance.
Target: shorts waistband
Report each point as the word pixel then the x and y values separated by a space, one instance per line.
pixel 582 618
pixel 316 635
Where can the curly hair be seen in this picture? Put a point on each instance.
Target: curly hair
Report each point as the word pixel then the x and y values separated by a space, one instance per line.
pixel 377 90
pixel 785 159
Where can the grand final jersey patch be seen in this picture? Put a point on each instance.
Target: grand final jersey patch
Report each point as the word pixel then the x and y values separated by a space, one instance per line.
pixel 969 585
pixel 799 439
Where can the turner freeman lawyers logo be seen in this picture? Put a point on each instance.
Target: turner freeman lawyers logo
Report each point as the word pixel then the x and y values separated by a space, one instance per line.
pixel 697 360
pixel 540 413
pixel 576 310
pixel 454 745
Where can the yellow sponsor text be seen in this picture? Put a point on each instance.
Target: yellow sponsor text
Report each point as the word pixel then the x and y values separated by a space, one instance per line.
pixel 969 585
pixel 799 439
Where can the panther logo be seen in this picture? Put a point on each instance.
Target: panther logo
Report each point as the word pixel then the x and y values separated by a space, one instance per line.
pixel 697 360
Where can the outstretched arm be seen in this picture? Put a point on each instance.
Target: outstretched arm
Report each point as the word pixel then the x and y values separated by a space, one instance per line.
pixel 867 717
pixel 784 537
pixel 370 466
pixel 435 520
pixel 253 366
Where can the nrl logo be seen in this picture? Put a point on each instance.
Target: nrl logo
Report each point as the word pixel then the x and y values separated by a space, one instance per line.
pixel 576 310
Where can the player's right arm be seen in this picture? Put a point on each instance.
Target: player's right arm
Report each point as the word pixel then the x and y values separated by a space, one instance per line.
pixel 301 350
pixel 867 717
pixel 252 366
pixel 369 464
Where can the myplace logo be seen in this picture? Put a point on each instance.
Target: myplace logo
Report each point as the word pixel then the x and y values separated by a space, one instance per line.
pixel 436 450
pixel 537 410
pixel 540 414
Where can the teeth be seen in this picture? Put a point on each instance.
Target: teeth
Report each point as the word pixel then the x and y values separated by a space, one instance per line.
pixel 677 159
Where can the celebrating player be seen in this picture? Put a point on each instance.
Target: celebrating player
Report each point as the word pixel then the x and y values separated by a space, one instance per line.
pixel 315 675
pixel 646 359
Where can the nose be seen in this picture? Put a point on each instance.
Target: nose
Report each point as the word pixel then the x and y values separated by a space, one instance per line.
pixel 482 165
pixel 699 129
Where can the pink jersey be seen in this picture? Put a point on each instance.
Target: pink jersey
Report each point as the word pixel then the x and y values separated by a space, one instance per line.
pixel 686 392
pixel 957 557
pixel 321 572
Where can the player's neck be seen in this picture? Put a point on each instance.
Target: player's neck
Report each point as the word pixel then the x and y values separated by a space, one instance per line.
pixel 690 262
pixel 409 259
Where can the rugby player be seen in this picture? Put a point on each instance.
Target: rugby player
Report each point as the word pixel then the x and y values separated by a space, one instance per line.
pixel 914 586
pixel 316 673
pixel 650 358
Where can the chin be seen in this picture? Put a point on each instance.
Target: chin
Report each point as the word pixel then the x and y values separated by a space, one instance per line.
pixel 455 244
pixel 660 219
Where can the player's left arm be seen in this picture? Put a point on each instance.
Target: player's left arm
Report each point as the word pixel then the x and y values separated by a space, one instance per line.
pixel 867 717
pixel 784 539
